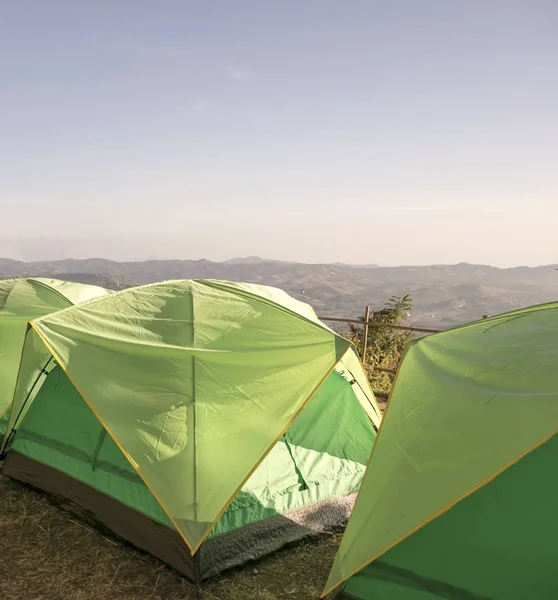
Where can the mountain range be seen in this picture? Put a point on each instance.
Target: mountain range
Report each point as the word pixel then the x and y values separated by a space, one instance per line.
pixel 444 295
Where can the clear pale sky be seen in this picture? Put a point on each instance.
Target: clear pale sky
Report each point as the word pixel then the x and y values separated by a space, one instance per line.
pixel 390 132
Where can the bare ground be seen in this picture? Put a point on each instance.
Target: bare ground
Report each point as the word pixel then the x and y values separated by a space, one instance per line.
pixel 46 554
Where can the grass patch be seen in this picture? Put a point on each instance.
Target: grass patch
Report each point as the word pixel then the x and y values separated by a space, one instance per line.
pixel 47 554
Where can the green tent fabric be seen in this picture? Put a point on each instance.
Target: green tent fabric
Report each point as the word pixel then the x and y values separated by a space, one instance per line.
pixel 206 406
pixel 22 300
pixel 459 497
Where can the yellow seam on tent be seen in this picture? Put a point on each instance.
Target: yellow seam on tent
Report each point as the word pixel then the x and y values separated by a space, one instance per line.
pixel 259 462
pixel 446 508
pixel 128 457
pixel 7 409
pixel 374 403
pixel 326 591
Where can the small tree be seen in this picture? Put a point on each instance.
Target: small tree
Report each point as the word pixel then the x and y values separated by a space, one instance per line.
pixel 385 345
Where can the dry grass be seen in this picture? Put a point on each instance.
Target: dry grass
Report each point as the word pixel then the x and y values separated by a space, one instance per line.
pixel 46 554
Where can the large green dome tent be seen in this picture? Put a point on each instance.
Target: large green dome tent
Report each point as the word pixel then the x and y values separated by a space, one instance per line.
pixel 459 498
pixel 22 300
pixel 206 422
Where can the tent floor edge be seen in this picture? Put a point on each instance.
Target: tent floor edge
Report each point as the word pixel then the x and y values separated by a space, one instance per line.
pixel 218 553
pixel 107 515
pixel 257 540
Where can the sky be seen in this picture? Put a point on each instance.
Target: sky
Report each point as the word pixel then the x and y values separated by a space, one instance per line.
pixel 361 131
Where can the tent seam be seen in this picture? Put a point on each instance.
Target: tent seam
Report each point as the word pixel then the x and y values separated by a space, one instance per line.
pixel 53 290
pixel 212 283
pixel 327 590
pixel 259 462
pixel 4 443
pixel 112 435
pixel 16 280
pixel 504 316
pixel 372 399
pixel 217 284
pixel 445 508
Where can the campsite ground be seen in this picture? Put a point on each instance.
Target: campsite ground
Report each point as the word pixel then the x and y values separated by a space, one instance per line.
pixel 47 554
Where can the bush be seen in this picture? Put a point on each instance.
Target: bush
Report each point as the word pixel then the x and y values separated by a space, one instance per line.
pixel 385 345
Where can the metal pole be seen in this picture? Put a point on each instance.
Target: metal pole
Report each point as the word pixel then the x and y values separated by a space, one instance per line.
pixel 365 334
pixel 377 324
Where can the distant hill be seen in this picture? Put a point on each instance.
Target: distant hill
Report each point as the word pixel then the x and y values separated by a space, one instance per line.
pixel 248 260
pixel 444 295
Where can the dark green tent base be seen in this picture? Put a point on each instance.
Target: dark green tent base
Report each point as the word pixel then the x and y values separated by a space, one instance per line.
pixel 406 579
pixel 218 553
pixel 109 516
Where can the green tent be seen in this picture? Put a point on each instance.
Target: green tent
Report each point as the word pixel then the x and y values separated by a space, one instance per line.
pixel 20 301
pixel 459 499
pixel 208 423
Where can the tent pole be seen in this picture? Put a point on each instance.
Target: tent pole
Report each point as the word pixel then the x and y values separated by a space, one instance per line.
pixel 10 434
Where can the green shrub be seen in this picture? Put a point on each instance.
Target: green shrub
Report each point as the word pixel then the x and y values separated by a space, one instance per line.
pixel 385 345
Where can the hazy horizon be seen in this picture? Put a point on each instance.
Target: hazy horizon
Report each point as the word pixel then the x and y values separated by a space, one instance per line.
pixel 397 132
pixel 33 258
